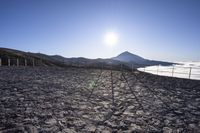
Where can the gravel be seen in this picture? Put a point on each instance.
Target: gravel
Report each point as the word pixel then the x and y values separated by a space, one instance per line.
pixel 71 100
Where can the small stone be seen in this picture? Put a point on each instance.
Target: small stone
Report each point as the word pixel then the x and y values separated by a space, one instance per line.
pixel 167 122
pixel 131 107
pixel 179 130
pixel 123 126
pixel 68 130
pixel 51 121
pixel 79 123
pixel 197 99
pixel 139 112
pixel 106 131
pixel 111 124
pixel 135 127
pixel 52 129
pixel 178 112
pixel 122 85
pixel 83 107
pixel 156 122
pixel 167 130
pixel 31 129
pixel 91 128
pixel 192 126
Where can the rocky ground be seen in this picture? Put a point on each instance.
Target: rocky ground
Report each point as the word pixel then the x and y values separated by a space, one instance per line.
pixel 44 99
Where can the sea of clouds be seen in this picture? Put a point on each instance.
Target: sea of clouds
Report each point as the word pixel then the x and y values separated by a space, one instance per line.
pixel 181 70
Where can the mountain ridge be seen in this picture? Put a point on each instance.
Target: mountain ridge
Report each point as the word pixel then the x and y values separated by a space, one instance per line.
pixel 126 58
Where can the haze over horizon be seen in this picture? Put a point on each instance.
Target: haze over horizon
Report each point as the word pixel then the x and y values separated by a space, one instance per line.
pixel 156 29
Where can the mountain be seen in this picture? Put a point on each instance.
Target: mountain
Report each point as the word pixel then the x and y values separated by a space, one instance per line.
pixel 14 57
pixel 21 58
pixel 136 60
pixel 127 59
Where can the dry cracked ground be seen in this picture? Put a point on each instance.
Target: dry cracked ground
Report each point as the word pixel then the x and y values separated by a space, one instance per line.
pixel 58 100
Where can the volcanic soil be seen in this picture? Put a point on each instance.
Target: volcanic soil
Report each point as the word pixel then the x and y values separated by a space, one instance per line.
pixel 70 100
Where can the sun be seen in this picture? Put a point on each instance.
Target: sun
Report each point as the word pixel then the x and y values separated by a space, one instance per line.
pixel 111 39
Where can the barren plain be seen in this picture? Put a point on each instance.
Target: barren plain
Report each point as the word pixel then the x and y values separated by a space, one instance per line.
pixel 70 100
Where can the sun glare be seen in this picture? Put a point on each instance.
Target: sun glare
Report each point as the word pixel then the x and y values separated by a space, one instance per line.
pixel 111 38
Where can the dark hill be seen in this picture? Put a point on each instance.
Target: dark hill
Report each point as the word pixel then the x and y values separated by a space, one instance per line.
pixel 126 59
pixel 27 58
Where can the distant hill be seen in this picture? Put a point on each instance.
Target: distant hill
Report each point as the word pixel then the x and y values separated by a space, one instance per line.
pixel 39 59
pixel 130 58
pixel 36 59
pixel 126 59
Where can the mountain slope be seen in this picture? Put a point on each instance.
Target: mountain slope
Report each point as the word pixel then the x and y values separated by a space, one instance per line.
pixel 130 58
pixel 127 59
pixel 38 58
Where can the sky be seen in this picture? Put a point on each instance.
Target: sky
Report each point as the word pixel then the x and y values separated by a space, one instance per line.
pixel 167 30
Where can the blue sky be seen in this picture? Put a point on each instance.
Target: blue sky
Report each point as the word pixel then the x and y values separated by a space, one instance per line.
pixel 167 30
